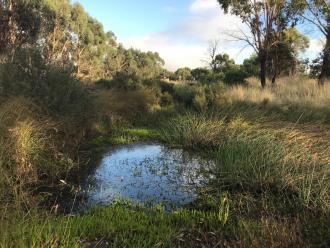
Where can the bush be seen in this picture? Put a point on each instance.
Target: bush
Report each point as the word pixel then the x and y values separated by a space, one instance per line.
pixel 235 76
pixel 214 93
pixel 211 77
pixel 123 80
pixel 125 104
pixel 200 101
pixel 166 99
pixel 53 88
pixel 185 93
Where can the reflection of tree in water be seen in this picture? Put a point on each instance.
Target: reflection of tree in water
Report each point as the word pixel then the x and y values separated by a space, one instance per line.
pixel 149 173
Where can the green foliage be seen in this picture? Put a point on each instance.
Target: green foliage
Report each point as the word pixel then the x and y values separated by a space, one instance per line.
pixel 316 67
pixel 20 24
pixel 252 66
pixel 198 96
pixel 185 93
pixel 55 90
pixel 126 104
pixel 235 76
pixel 222 63
pixel 284 56
pixel 123 80
pixel 211 77
pixel 199 73
pixel 182 74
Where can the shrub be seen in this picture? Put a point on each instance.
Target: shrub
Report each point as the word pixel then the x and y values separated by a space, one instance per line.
pixel 123 104
pixel 53 88
pixel 166 87
pixel 214 93
pixel 200 101
pixel 211 77
pixel 166 99
pixel 124 80
pixel 235 76
pixel 185 93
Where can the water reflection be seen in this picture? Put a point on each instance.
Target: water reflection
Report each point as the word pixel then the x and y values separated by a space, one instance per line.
pixel 147 173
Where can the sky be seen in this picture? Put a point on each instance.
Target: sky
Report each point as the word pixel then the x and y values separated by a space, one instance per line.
pixel 179 30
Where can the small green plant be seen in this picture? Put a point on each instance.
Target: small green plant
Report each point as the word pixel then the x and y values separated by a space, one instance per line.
pixel 223 214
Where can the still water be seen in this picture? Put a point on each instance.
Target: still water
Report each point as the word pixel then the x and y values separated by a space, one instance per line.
pixel 149 174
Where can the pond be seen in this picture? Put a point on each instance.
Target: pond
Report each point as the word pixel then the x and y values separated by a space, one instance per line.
pixel 149 174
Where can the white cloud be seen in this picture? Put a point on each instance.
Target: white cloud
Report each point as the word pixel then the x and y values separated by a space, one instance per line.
pixel 315 47
pixel 203 5
pixel 185 43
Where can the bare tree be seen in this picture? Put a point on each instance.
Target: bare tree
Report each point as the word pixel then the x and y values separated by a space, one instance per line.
pixel 211 54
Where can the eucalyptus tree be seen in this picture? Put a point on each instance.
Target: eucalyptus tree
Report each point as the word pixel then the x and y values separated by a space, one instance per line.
pixel 284 55
pixel 223 63
pixel 183 74
pixel 265 20
pixel 317 12
pixel 19 24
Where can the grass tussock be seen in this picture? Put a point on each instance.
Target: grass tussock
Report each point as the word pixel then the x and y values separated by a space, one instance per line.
pixel 32 152
pixel 268 161
pixel 255 158
pixel 193 131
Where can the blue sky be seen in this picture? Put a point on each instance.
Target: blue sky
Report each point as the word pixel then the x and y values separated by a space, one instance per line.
pixel 178 29
pixel 130 17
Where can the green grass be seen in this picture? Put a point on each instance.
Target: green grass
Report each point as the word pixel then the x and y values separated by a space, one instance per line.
pixel 126 135
pixel 232 219
pixel 121 225
pixel 192 131
pixel 270 187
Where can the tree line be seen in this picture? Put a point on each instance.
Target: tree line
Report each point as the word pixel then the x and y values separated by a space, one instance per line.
pixel 63 35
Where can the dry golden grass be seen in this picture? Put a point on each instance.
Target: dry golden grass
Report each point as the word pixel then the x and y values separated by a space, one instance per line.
pixel 287 91
pixel 31 151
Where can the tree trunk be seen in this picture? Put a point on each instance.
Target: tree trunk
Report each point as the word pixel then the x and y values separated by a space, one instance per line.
pixel 325 71
pixel 263 66
pixel 274 79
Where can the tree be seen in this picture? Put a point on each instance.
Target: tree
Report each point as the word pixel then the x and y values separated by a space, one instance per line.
pixel 183 74
pixel 212 52
pixel 223 63
pixel 19 24
pixel 265 20
pixel 252 66
pixel 317 12
pixel 284 55
pixel 68 38
pixel 199 73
